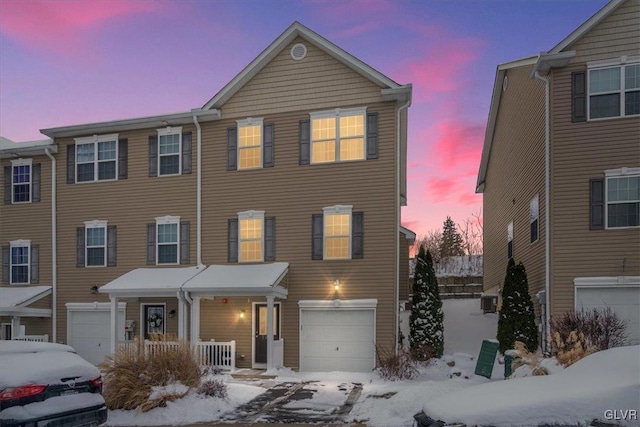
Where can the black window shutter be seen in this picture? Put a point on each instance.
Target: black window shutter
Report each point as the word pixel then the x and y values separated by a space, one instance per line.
pixel 5 264
pixel 372 136
pixel 305 142
pixel 123 158
pixel 7 185
pixel 153 158
pixel 80 247
pixel 596 221
pixel 268 146
pixel 270 238
pixel 578 96
pixel 317 236
pixel 71 164
pixel 35 183
pixel 151 244
pixel 232 149
pixel 184 242
pixel 357 235
pixel 112 245
pixel 186 153
pixel 233 240
pixel 35 264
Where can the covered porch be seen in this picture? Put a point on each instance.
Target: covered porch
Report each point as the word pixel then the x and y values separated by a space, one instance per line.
pixel 14 305
pixel 193 285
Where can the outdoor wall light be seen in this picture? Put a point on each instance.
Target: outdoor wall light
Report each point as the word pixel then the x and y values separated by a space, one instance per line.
pixel 172 314
pixel 94 290
pixel 242 314
pixel 336 285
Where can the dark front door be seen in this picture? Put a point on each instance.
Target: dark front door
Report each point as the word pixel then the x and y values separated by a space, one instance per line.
pixel 260 330
pixel 153 320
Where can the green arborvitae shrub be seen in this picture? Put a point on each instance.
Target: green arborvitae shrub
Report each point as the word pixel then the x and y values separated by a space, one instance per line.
pixel 517 318
pixel 426 336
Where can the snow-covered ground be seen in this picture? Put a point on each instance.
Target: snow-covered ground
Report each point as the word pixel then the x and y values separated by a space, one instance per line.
pixel 452 393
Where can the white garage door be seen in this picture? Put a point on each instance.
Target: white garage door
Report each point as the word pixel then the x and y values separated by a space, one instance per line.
pixel 88 331
pixel 624 301
pixel 337 340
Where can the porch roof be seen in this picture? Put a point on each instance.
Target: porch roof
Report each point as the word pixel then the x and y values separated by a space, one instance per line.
pixel 158 282
pixel 14 301
pixel 240 280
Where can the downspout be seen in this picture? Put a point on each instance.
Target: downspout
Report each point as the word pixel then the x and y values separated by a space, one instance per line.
pixel 54 252
pixel 547 203
pixel 397 228
pixel 198 193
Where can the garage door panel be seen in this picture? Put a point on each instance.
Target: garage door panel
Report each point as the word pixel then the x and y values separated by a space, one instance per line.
pixel 336 350
pixel 329 364
pixel 322 318
pixel 343 333
pixel 90 333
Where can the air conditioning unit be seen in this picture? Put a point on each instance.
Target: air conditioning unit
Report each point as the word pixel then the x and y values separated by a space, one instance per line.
pixel 488 303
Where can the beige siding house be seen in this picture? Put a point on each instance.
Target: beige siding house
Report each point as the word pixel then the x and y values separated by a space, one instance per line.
pixel 263 226
pixel 564 127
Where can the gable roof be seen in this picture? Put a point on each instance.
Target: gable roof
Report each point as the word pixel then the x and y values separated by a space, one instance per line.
pixel 543 62
pixel 298 30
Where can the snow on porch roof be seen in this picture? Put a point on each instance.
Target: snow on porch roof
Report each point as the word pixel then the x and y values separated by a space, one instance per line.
pixel 14 301
pixel 151 281
pixel 240 279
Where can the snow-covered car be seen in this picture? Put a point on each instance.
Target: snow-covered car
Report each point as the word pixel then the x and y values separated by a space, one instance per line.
pixel 48 384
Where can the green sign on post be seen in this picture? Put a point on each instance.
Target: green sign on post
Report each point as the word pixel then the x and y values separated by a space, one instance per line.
pixel 486 358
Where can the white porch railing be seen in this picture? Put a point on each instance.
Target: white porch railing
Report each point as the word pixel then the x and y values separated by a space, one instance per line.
pixel 220 355
pixel 35 338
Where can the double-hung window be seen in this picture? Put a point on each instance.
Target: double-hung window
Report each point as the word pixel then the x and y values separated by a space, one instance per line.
pixel 338 135
pixel 614 91
pixel 337 232
pixel 20 262
pixel 21 180
pixel 96 243
pixel 510 240
pixel 250 141
pixel 622 198
pixel 168 240
pixel 534 218
pixel 169 151
pixel 251 236
pixel 97 158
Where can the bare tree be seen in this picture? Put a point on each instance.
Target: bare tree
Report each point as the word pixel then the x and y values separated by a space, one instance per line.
pixel 472 231
pixel 431 241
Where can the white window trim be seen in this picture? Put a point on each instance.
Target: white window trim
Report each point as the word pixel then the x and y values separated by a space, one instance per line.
pixel 95 139
pixel 250 215
pixel 536 198
pixel 19 244
pixel 171 130
pixel 164 220
pixel 337 113
pixel 336 210
pixel 510 238
pixel 616 173
pixel 610 63
pixel 250 122
pixel 16 163
pixel 94 224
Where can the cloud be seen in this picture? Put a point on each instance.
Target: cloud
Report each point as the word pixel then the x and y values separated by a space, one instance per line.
pixel 458 143
pixel 63 27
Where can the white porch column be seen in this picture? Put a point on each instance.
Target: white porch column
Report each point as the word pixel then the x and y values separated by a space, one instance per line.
pixel 16 330
pixel 182 317
pixel 195 320
pixel 114 324
pixel 270 325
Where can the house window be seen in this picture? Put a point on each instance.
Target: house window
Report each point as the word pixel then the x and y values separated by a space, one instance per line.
pixel 338 135
pixel 614 91
pixel 96 243
pixel 337 232
pixel 510 240
pixel 19 258
pixel 169 150
pixel 250 143
pixel 168 239
pixel 251 236
pixel 534 216
pixel 623 198
pixel 96 158
pixel 21 180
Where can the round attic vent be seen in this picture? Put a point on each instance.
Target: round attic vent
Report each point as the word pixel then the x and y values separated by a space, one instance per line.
pixel 298 51
pixel 505 83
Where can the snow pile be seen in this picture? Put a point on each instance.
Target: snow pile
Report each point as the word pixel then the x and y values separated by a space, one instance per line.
pixel 605 381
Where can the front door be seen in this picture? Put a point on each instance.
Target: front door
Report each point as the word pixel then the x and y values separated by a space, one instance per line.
pixel 260 330
pixel 153 320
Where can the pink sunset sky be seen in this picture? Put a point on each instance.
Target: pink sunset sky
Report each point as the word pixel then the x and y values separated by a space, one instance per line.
pixel 73 62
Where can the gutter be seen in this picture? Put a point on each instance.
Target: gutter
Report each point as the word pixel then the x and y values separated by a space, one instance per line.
pixel 199 193
pixel 547 203
pixel 54 252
